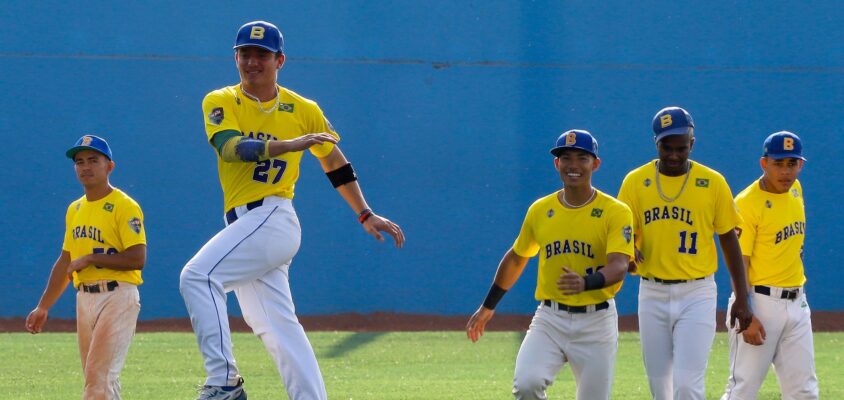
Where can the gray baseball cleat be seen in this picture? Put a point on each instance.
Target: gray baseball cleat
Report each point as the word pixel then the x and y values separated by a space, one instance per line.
pixel 235 392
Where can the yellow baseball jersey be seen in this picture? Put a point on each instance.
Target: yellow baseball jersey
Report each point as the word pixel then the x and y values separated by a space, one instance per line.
pixel 106 226
pixel 677 238
pixel 771 234
pixel 243 182
pixel 579 239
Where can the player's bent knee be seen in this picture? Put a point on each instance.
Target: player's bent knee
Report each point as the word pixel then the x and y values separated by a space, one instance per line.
pixel 529 386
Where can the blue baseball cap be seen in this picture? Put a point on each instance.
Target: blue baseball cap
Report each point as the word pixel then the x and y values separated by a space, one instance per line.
pixel 576 139
pixel 262 34
pixel 672 121
pixel 90 142
pixel 783 144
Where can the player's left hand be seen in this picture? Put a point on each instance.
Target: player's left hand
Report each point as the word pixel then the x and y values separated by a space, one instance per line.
pixel 77 265
pixel 376 223
pixel 570 283
pixel 740 311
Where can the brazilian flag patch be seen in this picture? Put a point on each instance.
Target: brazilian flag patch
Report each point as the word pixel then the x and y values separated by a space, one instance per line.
pixel 701 182
pixel 286 107
pixel 597 212
pixel 108 207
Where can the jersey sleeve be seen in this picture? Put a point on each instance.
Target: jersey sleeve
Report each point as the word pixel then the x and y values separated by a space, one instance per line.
pixel 320 124
pixel 747 226
pixel 219 114
pixel 526 244
pixel 130 225
pixel 620 231
pixel 71 210
pixel 726 213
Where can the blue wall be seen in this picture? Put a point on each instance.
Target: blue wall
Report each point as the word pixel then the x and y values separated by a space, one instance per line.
pixel 447 110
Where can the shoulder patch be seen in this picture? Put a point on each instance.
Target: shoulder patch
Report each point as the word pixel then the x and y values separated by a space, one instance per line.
pixel 550 212
pixel 216 116
pixel 795 193
pixel 627 232
pixel 78 205
pixel 702 182
pixel 135 225
pixel 328 124
pixel 108 207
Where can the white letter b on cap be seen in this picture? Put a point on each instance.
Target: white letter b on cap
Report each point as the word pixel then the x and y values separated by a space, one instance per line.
pixel 257 32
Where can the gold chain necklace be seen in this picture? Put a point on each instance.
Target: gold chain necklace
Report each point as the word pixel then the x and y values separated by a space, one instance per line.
pixel 257 100
pixel 592 196
pixel 683 187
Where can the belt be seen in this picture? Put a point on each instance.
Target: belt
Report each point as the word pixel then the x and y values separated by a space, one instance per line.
pixel 99 287
pixel 672 281
pixel 789 294
pixel 576 309
pixel 231 215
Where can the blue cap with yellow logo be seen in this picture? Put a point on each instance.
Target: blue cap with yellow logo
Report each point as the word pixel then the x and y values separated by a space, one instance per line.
pixel 783 144
pixel 672 121
pixel 576 139
pixel 262 34
pixel 90 142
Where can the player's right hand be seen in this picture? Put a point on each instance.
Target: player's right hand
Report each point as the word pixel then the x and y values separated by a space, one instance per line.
pixel 307 141
pixel 755 333
pixel 477 323
pixel 35 320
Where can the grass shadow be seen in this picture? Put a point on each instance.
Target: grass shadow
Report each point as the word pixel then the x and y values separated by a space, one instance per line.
pixel 352 342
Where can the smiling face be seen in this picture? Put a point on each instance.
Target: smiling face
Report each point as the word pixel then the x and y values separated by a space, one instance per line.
pixel 575 167
pixel 780 174
pixel 258 67
pixel 92 168
pixel 673 153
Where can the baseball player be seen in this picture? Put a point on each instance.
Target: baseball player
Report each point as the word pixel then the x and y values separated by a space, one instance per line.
pixel 771 236
pixel 678 206
pixel 103 253
pixel 259 130
pixel 584 241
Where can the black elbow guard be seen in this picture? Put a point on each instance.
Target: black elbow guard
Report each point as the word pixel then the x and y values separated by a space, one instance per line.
pixel 342 175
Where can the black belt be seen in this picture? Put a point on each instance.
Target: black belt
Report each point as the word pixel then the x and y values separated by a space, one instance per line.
pixel 231 215
pixel 784 294
pixel 672 281
pixel 95 288
pixel 576 309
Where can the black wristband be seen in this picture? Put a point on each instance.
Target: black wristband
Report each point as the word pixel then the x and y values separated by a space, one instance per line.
pixel 494 296
pixel 342 175
pixel 594 281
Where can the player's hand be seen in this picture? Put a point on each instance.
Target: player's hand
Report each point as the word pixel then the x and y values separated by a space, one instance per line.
pixel 35 320
pixel 376 223
pixel 77 265
pixel 740 311
pixel 306 141
pixel 638 256
pixel 755 333
pixel 571 283
pixel 477 323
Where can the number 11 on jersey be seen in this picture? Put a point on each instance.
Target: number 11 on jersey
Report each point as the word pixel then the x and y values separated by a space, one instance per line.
pixel 692 236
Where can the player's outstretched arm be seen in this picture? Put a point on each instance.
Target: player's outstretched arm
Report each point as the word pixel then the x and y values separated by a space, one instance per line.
pixel 133 258
pixel 56 284
pixel 343 177
pixel 509 270
pixel 232 146
pixel 735 264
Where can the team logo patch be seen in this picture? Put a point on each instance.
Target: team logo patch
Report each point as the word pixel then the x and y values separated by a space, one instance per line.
pixel 596 212
pixel 768 204
pixel 216 116
pixel 550 213
pixel 78 205
pixel 86 141
pixel 627 232
pixel 328 124
pixel 286 107
pixel 647 182
pixel 702 182
pixel 108 207
pixel 795 193
pixel 135 224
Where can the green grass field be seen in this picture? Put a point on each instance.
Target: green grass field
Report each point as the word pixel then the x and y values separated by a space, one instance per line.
pixel 428 365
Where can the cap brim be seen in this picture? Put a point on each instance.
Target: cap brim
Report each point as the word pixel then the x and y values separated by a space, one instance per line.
pixel 673 132
pixel 267 48
pixel 556 151
pixel 73 150
pixel 785 155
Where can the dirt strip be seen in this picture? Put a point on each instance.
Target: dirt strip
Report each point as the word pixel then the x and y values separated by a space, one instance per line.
pixel 822 321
